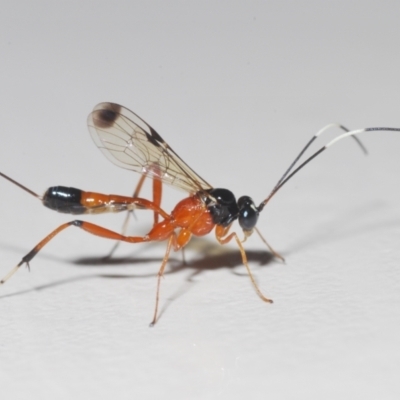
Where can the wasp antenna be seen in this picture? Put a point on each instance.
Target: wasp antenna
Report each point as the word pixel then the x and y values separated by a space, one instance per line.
pixel 21 186
pixel 348 133
pixel 324 129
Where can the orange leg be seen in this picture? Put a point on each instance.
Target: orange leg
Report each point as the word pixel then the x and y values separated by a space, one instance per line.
pixel 171 243
pixel 157 195
pixel 139 186
pixel 157 189
pixel 161 231
pixel 220 233
pixel 274 253
pixel 87 226
pixel 177 242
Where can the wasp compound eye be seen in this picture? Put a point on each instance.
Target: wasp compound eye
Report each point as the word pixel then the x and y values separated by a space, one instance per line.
pixel 248 213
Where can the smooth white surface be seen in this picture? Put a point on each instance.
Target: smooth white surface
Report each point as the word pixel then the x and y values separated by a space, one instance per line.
pixel 236 88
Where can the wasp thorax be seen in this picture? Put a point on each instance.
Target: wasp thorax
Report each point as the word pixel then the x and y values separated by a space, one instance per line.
pixel 248 213
pixel 223 207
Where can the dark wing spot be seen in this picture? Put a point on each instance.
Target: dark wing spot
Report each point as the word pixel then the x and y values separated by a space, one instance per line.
pixel 106 117
pixel 154 138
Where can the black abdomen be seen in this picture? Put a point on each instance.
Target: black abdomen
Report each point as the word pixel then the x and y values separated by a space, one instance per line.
pixel 64 199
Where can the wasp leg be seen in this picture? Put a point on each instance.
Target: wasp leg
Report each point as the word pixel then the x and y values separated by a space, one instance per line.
pixel 157 196
pixel 274 253
pixel 97 230
pixel 220 233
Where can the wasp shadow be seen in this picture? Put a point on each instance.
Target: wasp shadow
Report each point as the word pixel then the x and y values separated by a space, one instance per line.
pixel 213 257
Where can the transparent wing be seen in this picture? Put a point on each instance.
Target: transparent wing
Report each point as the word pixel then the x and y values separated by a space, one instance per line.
pixel 130 143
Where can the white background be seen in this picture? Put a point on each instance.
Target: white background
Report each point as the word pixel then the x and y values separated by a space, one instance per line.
pixel 236 88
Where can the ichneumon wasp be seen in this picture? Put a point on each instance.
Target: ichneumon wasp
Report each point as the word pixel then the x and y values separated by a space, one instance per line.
pixel 129 142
